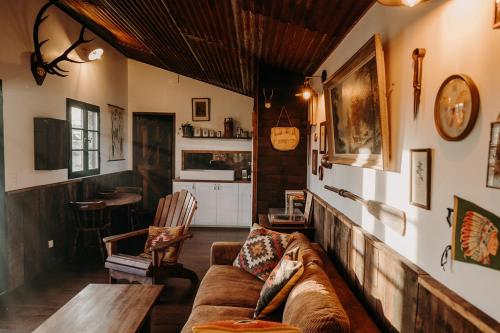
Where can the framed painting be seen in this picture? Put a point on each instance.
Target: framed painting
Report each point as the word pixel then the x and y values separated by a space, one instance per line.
pixel 493 175
pixel 322 137
pixel 356 110
pixel 117 149
pixel 475 235
pixel 201 109
pixel 496 14
pixel 314 161
pixel 420 178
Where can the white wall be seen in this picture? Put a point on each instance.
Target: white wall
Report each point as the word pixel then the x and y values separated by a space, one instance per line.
pixel 98 83
pixel 151 89
pixel 459 39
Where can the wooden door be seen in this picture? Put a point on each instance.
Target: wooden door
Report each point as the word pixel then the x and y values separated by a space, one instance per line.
pixel 154 151
pixel 227 204
pixel 206 213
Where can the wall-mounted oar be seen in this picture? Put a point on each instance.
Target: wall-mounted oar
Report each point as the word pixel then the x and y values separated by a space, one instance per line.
pixel 392 217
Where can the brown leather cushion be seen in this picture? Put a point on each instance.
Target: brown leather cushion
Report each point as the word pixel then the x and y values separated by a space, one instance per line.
pixel 307 252
pixel 209 313
pixel 228 286
pixel 313 304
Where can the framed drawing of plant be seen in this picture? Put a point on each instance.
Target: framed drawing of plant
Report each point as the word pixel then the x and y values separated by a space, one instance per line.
pixel 356 110
pixel 420 178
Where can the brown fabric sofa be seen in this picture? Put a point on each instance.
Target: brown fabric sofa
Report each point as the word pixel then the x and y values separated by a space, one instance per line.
pixel 228 292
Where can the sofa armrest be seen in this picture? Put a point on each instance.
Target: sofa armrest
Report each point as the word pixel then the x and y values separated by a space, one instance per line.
pixel 224 253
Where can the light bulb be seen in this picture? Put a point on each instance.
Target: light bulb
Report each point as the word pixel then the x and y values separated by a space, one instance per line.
pixel 410 3
pixel 306 94
pixel 95 54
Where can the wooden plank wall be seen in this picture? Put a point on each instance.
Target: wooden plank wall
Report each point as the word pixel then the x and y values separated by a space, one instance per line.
pixel 398 294
pixel 277 171
pixel 37 214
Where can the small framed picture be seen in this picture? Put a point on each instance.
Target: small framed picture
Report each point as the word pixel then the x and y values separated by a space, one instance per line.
pixel 314 162
pixel 197 131
pixel 493 177
pixel 496 14
pixel 420 178
pixel 201 109
pixel 322 138
pixel 205 132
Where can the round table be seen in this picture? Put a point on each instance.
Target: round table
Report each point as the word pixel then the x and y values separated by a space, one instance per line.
pixel 118 200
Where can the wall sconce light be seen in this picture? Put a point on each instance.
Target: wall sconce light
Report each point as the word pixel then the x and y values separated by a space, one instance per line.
pixel 39 67
pixel 307 91
pixel 407 3
pixel 95 54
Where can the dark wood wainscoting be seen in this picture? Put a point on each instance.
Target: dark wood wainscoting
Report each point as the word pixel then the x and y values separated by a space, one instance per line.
pixel 399 295
pixel 38 214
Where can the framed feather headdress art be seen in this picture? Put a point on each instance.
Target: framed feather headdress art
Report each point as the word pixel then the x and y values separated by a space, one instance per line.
pixel 475 235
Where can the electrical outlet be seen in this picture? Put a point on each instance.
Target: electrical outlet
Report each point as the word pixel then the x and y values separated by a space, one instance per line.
pixel 51 244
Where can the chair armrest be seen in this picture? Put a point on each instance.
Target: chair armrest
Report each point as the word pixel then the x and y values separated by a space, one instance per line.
pixel 116 238
pixel 224 253
pixel 163 245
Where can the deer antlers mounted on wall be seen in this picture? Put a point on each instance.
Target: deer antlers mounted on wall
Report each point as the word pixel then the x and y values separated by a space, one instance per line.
pixel 40 67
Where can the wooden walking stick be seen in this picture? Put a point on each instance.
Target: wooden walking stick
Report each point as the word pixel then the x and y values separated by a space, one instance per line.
pixel 392 217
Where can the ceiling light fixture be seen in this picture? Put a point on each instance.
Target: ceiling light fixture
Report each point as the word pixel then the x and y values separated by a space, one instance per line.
pixel 95 54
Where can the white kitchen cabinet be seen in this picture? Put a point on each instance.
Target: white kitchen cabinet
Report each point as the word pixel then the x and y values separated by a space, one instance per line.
pixel 244 205
pixel 227 204
pixel 220 204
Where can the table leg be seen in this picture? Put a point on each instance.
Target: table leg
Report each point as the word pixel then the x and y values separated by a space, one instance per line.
pixel 146 325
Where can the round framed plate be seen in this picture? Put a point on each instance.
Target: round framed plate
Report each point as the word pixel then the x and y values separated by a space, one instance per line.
pixel 456 107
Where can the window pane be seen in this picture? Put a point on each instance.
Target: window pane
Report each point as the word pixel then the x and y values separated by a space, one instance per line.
pixel 76 117
pixel 76 139
pixel 93 160
pixel 77 161
pixel 93 140
pixel 93 123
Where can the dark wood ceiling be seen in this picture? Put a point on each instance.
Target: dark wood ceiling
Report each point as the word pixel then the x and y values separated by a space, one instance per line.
pixel 222 41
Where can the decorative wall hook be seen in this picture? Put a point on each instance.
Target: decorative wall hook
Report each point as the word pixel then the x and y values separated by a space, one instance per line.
pixel 39 67
pixel 449 216
pixel 418 59
pixel 444 257
pixel 325 162
pixel 267 100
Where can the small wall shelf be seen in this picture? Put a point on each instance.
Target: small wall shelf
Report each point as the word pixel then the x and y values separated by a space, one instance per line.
pixel 215 138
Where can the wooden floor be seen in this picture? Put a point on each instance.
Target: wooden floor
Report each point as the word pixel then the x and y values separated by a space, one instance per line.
pixel 23 309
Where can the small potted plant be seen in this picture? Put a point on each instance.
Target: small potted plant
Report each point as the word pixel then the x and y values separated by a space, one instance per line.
pixel 187 130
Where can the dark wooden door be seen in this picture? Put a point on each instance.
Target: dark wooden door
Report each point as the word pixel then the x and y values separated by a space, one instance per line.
pixel 154 151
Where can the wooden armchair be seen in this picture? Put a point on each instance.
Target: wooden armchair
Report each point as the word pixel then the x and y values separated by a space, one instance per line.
pixel 174 210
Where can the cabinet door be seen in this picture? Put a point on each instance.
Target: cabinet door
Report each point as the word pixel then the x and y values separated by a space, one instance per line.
pixel 245 205
pixel 189 186
pixel 227 204
pixel 206 214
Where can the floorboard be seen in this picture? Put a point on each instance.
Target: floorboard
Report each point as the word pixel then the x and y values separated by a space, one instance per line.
pixel 24 309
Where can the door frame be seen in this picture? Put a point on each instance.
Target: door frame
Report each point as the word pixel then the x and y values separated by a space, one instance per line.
pixel 174 134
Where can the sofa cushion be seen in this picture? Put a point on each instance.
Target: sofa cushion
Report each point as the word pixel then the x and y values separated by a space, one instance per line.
pixel 313 304
pixel 261 252
pixel 244 326
pixel 228 286
pixel 280 282
pixel 209 313
pixel 307 252
pixel 162 234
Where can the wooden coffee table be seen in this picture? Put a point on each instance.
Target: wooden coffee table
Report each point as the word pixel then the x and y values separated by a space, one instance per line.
pixel 105 308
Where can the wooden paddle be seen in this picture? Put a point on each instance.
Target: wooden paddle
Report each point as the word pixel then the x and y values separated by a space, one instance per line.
pixel 392 217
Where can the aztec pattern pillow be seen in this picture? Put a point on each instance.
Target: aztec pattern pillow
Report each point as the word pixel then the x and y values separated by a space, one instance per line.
pixel 277 287
pixel 261 252
pixel 246 326
pixel 163 234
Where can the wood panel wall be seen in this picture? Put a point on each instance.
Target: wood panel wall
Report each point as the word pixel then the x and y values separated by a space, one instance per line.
pixel 276 171
pixel 38 214
pixel 398 294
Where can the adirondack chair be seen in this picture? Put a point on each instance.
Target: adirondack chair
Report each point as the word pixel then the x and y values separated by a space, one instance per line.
pixel 174 210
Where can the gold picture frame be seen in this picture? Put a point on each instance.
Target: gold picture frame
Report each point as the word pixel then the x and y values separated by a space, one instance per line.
pixel 496 14
pixel 358 132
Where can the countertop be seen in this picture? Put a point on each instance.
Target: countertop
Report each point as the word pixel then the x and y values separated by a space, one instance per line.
pixel 212 181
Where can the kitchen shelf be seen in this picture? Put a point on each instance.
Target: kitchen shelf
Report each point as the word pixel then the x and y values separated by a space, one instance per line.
pixel 214 138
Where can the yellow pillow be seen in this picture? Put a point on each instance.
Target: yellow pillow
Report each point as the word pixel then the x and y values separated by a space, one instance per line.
pixel 246 326
pixel 163 234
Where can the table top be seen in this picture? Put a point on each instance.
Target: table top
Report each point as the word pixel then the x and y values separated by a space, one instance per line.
pixel 120 199
pixel 264 222
pixel 104 308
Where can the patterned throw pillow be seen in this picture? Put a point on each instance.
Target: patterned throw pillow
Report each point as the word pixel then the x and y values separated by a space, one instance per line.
pixel 261 252
pixel 163 234
pixel 277 287
pixel 246 326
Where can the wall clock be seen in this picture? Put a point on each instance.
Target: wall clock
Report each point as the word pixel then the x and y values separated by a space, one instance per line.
pixel 456 107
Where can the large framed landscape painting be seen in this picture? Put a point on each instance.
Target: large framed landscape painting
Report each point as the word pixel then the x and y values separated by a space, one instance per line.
pixel 356 110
